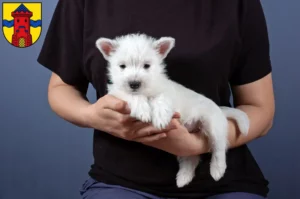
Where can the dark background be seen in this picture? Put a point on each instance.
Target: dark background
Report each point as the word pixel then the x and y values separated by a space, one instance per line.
pixel 44 157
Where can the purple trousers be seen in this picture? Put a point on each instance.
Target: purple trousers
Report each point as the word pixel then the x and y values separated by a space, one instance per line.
pixel 92 189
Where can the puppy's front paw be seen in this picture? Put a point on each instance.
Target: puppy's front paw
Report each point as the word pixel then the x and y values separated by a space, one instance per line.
pixel 162 112
pixel 141 111
pixel 161 117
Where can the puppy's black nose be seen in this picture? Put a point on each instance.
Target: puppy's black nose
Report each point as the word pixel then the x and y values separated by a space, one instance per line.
pixel 134 85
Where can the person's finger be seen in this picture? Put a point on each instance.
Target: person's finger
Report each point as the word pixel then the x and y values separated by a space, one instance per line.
pixel 151 138
pixel 120 118
pixel 146 131
pixel 110 127
pixel 176 123
pixel 150 130
pixel 176 115
pixel 113 103
pixel 138 125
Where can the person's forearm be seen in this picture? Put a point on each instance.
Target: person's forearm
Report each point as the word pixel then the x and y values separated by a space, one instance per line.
pixel 69 104
pixel 260 123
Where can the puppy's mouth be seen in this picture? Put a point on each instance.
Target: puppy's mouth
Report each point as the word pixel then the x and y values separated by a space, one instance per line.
pixel 135 91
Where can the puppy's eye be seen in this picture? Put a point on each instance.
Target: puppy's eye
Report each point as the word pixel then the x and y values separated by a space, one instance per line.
pixel 146 66
pixel 122 66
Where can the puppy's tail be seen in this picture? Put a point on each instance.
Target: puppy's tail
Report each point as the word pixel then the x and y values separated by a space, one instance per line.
pixel 239 116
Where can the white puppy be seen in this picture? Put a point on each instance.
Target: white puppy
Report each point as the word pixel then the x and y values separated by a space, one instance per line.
pixel 136 69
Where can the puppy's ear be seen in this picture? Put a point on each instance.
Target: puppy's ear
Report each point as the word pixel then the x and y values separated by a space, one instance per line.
pixel 164 45
pixel 106 46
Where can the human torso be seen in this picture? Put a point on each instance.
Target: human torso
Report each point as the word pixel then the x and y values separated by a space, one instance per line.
pixel 207 41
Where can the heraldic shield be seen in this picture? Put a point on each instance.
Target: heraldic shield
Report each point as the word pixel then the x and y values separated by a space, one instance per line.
pixel 22 23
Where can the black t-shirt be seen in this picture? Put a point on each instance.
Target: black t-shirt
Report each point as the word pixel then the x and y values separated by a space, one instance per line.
pixel 218 44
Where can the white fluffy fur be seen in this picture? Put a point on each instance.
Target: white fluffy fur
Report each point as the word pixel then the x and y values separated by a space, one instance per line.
pixel 158 97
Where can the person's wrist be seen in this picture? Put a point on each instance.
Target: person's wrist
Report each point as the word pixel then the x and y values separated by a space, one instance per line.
pixel 201 145
pixel 86 114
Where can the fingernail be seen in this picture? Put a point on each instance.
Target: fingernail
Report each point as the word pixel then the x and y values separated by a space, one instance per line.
pixel 173 126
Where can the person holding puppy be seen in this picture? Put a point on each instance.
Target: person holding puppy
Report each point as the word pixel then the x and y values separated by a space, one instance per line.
pixel 221 46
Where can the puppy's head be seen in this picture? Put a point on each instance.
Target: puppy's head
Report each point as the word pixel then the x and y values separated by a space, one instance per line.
pixel 136 61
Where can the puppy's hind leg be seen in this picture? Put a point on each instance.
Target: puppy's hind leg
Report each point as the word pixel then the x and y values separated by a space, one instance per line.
pixel 216 126
pixel 187 167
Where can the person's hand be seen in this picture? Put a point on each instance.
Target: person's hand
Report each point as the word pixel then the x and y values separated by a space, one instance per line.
pixel 112 115
pixel 180 141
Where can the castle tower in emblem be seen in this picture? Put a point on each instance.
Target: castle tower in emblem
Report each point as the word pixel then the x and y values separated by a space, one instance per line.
pixel 21 36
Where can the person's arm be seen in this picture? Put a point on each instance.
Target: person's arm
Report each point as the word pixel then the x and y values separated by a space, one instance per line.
pixel 62 54
pixel 67 101
pixel 256 99
pixel 107 114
